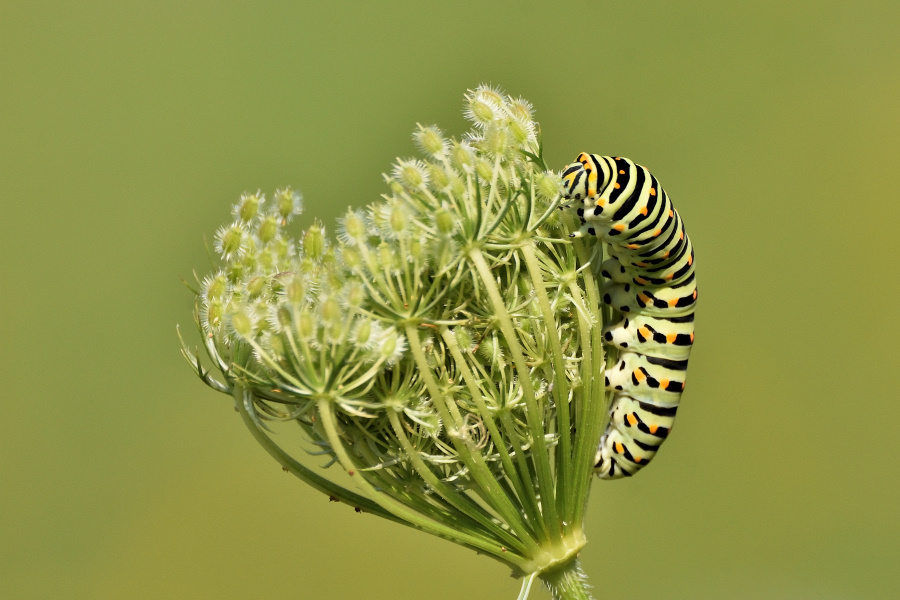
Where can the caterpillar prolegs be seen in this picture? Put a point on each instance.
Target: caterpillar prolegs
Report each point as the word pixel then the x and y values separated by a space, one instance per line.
pixel 650 283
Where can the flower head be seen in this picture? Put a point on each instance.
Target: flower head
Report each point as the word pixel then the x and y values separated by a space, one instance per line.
pixel 442 347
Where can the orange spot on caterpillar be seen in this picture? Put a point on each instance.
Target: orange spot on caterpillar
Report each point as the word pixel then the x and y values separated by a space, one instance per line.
pixel 621 171
pixel 619 447
pixel 671 213
pixel 681 235
pixel 639 375
pixel 695 294
pixel 653 428
pixel 641 264
pixel 652 191
pixel 645 332
pixel 617 186
pixel 619 227
pixel 669 276
pixel 690 260
pixel 671 337
pixel 673 301
pixel 644 211
pixel 632 420
pixel 657 232
pixel 664 384
pixel 640 280
pixel 644 299
pixel 633 246
pixel 692 338
pixel 666 255
pixel 601 201
pixel 637 459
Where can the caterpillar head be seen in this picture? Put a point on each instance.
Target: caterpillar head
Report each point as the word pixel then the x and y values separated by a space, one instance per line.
pixel 585 177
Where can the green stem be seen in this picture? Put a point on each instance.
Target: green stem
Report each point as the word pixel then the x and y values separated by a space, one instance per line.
pixel 561 382
pixel 457 500
pixel 488 488
pixel 444 530
pixel 567 582
pixel 533 413
pixel 525 497
pixel 302 472
pixel 596 400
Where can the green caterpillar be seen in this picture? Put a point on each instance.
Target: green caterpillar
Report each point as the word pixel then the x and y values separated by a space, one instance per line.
pixel 650 282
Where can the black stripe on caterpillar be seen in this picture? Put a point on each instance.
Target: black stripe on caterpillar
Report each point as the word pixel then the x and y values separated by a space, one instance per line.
pixel 650 284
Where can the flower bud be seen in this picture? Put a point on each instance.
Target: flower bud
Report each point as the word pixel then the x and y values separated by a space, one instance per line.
pixel 314 242
pixel 416 250
pixel 288 203
pixel 256 286
pixel 362 334
pixel 230 241
pixel 241 324
pixel 268 229
pixel 392 346
pixel 485 169
pixel 394 185
pixel 444 221
pixel 490 94
pixel 235 272
pixel 247 207
pixel 457 187
pixel 521 109
pixel 295 290
pixel 429 139
pixel 282 249
pixel 547 185
pixel 411 173
pixel 352 228
pixel 354 294
pixel 215 287
pixel 250 262
pixel 491 351
pixel 351 258
pixel 280 317
pixel 464 339
pixel 212 313
pixel 387 258
pixel 480 112
pixel 306 324
pixel 463 155
pixel 521 130
pixel 497 141
pixel 274 344
pixel 266 262
pixel 438 176
pixel 398 219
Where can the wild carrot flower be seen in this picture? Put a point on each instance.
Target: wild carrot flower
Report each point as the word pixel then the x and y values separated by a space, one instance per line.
pixel 443 349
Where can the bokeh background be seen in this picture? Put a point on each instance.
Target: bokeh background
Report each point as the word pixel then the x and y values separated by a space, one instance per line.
pixel 128 129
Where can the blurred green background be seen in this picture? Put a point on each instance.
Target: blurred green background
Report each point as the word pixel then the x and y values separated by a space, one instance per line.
pixel 128 129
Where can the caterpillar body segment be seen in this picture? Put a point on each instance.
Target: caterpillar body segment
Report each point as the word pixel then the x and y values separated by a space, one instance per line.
pixel 650 283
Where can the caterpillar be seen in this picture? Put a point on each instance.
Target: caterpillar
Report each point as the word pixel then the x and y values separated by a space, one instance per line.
pixel 650 284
